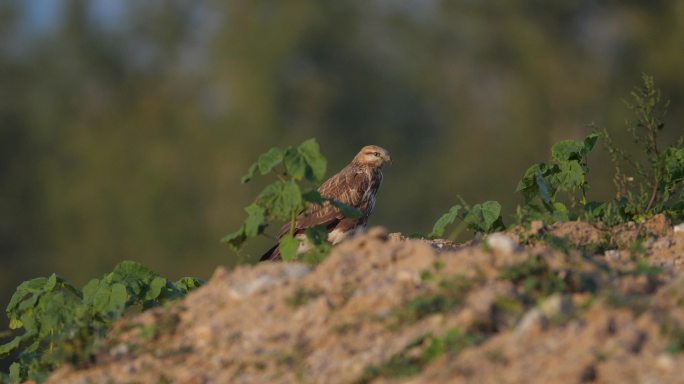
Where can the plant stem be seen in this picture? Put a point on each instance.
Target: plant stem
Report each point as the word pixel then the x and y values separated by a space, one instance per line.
pixel 457 231
pixel 653 196
pixel 656 178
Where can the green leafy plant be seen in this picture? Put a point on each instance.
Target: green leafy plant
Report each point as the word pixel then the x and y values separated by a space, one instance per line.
pixel 673 332
pixel 651 182
pixel 419 353
pixel 542 184
pixel 62 323
pixel 534 277
pixel 483 218
pixel 448 295
pixel 299 171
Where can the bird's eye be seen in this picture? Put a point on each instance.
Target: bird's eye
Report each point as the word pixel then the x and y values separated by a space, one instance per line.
pixel 377 154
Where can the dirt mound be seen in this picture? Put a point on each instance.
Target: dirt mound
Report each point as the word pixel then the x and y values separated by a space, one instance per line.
pixel 565 306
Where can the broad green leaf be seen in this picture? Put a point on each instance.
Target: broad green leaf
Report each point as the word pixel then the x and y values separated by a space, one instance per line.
pixel 560 212
pixel 288 247
pixel 28 303
pixel 542 187
pixel 134 276
pixel 56 310
pixel 589 143
pixel 346 210
pixel 51 283
pixel 15 324
pixel 107 298
pixel 317 254
pixel 25 289
pixel 89 290
pixel 482 217
pixel 280 199
pixel 596 210
pixel 236 239
pixel 39 376
pixel 444 221
pixel 255 221
pixel 131 271
pixel 250 173
pixel 66 285
pixel 317 235
pixel 318 238
pixel 8 348
pixel 118 297
pixel 533 184
pixel 570 175
pixel 30 322
pixel 317 164
pixel 528 179
pixel 156 286
pixel 98 297
pixel 15 373
pixel 270 159
pixel 672 163
pixel 567 150
pixel 313 196
pixel 295 164
pixel 187 284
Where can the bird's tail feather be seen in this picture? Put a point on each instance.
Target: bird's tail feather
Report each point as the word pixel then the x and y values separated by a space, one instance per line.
pixel 272 254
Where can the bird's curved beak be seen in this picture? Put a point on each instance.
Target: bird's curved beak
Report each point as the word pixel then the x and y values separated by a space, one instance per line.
pixel 388 159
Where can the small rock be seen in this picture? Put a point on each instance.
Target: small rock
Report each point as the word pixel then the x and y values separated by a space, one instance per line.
pixel 556 305
pixel 251 287
pixel 119 351
pixel 657 225
pixel 662 244
pixel 665 362
pixel 536 226
pixel 395 236
pixel 130 368
pixel 219 272
pixel 534 317
pixel 411 277
pixel 679 228
pixel 203 335
pixel 648 243
pixel 612 255
pixel 379 233
pixel 296 270
pixel 501 243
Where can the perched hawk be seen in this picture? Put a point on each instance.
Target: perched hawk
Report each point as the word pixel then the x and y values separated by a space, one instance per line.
pixel 355 185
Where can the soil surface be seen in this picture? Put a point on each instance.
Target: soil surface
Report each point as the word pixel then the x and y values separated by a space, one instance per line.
pixel 567 303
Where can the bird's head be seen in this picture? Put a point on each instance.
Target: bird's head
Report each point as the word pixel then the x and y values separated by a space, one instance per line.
pixel 373 156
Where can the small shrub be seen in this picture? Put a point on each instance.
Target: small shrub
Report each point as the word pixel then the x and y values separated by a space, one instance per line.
pixel 535 278
pixel 480 218
pixel 650 182
pixel 62 323
pixel 543 184
pixel 410 362
pixel 302 296
pixel 450 294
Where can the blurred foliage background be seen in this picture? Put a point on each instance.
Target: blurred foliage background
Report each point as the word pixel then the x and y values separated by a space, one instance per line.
pixel 125 126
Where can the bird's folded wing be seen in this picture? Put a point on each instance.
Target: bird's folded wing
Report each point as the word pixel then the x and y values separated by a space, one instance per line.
pixel 346 187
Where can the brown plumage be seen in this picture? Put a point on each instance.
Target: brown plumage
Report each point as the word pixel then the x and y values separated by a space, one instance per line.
pixel 356 185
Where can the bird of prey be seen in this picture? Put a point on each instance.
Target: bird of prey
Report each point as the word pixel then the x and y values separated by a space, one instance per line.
pixel 356 185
